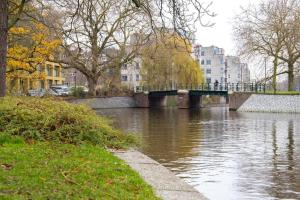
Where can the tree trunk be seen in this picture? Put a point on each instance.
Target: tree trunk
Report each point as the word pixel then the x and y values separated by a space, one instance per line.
pixel 92 84
pixel 290 77
pixel 274 82
pixel 3 44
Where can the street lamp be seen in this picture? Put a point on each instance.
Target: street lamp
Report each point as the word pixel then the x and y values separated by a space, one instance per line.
pixel 74 76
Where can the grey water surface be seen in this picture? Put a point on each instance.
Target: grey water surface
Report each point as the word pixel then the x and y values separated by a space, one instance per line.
pixel 223 154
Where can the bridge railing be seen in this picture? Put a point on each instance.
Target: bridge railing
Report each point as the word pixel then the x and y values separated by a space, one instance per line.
pixel 230 87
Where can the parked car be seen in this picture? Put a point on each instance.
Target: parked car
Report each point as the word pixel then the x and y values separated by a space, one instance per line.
pixel 61 90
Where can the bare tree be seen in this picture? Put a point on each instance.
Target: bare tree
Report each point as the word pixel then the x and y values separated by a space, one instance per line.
pixel 266 31
pixel 100 35
pixel 291 53
pixel 181 16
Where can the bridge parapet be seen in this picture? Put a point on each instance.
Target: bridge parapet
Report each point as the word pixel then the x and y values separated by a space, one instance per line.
pixel 208 87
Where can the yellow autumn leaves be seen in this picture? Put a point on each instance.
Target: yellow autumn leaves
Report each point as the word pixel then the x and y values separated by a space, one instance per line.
pixel 168 62
pixel 29 46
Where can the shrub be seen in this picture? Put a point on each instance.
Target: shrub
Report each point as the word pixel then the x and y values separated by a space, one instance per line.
pixel 50 120
pixel 78 92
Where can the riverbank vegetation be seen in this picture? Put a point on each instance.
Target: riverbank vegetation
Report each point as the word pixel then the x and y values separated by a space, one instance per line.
pixel 279 92
pixel 53 150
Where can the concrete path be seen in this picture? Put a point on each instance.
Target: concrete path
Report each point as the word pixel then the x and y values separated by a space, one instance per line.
pixel 166 185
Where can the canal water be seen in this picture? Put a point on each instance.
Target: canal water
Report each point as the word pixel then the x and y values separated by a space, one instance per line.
pixel 223 154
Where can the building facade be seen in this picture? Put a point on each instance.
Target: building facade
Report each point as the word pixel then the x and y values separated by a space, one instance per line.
pixel 245 73
pixel 54 75
pixel 131 73
pixel 48 74
pixel 220 68
pixel 212 60
pixel 236 72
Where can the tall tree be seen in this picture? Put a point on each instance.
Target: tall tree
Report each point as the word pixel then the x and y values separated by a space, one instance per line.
pixel 100 35
pixel 269 30
pixel 167 62
pixel 3 44
pixel 8 18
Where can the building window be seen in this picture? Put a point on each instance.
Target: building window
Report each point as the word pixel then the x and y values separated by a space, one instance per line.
pixel 49 70
pixel 124 66
pixel 40 68
pixel 50 83
pixel 208 62
pixel 124 77
pixel 222 61
pixel 137 65
pixel 56 71
pixel 137 77
pixel 42 84
pixel 202 62
pixel 110 72
pixel 202 53
pixel 208 71
pixel 208 80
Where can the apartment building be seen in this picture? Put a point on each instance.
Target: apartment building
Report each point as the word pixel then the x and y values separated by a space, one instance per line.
pixel 236 72
pixel 245 73
pixel 212 60
pixel 131 73
pixel 51 74
pixel 218 67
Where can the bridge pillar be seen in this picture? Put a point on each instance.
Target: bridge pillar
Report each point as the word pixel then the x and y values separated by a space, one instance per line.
pixel 142 100
pixel 183 99
pixel 195 101
pixel 157 101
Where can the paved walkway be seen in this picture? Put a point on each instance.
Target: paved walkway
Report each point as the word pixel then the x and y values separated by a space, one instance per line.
pixel 166 185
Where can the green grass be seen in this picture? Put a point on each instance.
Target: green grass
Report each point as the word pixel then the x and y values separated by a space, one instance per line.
pixel 279 92
pixel 54 150
pixel 55 171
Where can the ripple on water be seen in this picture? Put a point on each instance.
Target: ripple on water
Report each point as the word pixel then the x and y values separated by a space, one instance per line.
pixel 224 155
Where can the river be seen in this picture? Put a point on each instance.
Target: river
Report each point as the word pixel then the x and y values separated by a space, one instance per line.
pixel 223 154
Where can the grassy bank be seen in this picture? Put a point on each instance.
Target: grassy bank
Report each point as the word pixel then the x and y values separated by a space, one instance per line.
pixel 279 92
pixel 54 150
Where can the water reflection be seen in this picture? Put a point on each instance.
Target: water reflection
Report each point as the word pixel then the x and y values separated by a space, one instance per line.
pixel 225 155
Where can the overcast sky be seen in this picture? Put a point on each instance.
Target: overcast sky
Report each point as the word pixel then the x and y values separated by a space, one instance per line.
pixel 221 33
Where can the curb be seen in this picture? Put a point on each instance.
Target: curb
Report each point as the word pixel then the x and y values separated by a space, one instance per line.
pixel 165 184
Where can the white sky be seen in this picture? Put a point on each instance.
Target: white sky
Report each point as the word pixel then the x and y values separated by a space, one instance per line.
pixel 221 33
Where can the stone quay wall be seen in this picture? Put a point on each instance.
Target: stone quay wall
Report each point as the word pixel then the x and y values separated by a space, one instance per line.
pixel 106 102
pixel 271 103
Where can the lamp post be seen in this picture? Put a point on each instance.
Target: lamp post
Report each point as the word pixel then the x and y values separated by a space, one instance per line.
pixel 75 79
